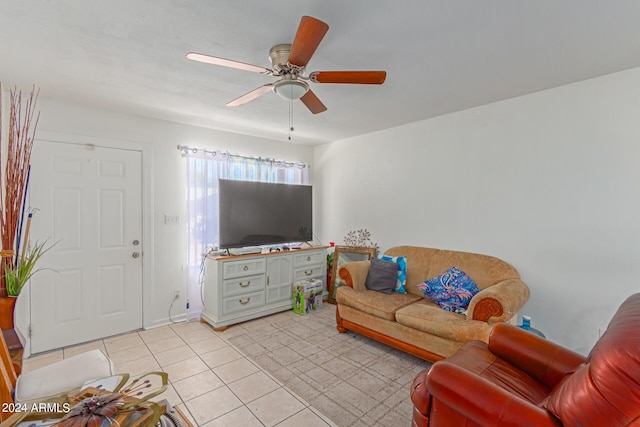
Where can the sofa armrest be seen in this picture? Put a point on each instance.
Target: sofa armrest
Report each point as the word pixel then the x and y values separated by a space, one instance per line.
pixel 482 402
pixel 354 274
pixel 544 360
pixel 500 302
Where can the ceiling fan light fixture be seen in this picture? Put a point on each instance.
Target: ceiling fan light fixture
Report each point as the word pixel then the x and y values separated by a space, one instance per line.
pixel 289 62
pixel 291 89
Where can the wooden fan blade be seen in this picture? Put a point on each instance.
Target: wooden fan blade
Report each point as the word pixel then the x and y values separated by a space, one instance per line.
pixel 309 35
pixel 352 77
pixel 312 102
pixel 250 96
pixel 208 59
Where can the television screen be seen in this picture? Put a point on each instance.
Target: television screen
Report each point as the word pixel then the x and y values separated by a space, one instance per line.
pixel 260 213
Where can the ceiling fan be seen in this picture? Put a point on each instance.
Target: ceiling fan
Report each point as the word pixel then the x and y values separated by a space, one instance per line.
pixel 289 62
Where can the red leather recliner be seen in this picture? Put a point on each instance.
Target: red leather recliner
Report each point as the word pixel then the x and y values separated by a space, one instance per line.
pixel 520 379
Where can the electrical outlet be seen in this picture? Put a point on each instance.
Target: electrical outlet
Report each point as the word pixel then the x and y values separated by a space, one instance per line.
pixel 176 294
pixel 172 219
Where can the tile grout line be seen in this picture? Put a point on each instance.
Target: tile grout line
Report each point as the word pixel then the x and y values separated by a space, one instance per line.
pixel 305 404
pixel 110 350
pixel 227 385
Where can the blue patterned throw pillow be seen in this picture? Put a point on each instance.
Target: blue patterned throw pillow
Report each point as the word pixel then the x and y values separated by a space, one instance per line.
pixel 452 290
pixel 401 284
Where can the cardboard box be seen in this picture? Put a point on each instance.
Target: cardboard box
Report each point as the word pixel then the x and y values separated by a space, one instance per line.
pixel 307 296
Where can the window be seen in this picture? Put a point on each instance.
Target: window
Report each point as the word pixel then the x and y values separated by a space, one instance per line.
pixel 204 168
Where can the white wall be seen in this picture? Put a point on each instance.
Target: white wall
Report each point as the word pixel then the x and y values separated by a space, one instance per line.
pixel 166 253
pixel 548 182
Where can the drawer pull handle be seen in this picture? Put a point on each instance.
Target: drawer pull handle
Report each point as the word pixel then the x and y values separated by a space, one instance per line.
pixel 245 268
pixel 245 302
pixel 268 280
pixel 244 286
pixel 308 258
pixel 308 272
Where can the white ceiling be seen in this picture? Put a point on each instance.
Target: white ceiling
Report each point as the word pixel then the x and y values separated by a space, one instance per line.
pixel 440 56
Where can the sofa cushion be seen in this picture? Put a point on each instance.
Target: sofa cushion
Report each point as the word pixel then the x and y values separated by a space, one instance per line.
pixel 382 276
pixel 353 274
pixel 401 263
pixel 427 316
pixel 452 290
pixel 375 303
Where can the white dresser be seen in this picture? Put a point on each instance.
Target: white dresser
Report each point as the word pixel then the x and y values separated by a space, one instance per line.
pixel 239 288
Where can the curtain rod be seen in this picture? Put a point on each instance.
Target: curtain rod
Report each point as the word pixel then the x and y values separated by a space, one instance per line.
pixel 225 154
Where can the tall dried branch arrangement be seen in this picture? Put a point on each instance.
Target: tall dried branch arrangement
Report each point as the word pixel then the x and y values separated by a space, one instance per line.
pixel 22 128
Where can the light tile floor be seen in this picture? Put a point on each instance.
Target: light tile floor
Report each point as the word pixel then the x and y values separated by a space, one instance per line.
pixel 212 382
pixel 351 379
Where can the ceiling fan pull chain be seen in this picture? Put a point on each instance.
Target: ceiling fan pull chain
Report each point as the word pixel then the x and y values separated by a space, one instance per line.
pixel 290 118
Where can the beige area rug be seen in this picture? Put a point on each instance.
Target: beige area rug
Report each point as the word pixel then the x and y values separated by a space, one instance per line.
pixel 351 379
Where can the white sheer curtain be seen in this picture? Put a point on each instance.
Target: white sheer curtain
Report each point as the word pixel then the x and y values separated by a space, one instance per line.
pixel 204 168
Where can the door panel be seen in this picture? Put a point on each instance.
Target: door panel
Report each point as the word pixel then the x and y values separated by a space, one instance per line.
pixel 112 232
pixel 67 292
pixel 89 205
pixel 279 278
pixel 112 292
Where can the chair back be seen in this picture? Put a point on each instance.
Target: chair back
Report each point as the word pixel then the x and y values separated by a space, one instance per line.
pixel 605 390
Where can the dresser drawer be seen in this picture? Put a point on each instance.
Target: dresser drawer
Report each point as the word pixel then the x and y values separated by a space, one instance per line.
pixel 309 258
pixel 243 285
pixel 240 303
pixel 244 267
pixel 311 271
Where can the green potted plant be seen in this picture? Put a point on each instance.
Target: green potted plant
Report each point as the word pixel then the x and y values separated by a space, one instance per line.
pixel 16 276
pixel 330 258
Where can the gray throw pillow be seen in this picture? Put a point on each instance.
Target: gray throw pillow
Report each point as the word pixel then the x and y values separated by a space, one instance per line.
pixel 382 276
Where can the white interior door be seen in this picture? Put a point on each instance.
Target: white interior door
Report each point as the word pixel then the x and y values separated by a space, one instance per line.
pixel 89 202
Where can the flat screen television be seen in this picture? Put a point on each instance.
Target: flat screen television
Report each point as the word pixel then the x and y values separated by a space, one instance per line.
pixel 260 213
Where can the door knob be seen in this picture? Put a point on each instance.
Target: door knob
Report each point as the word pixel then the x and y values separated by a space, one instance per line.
pixel 136 242
pixel 135 254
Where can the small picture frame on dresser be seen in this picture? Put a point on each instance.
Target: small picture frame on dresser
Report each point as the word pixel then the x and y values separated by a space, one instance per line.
pixel 343 255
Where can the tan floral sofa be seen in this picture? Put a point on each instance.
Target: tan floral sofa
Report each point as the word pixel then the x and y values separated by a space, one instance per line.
pixel 414 323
